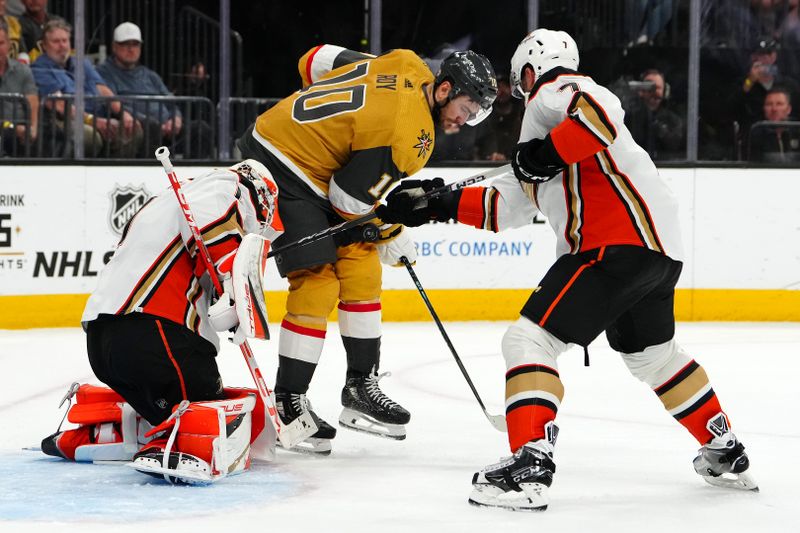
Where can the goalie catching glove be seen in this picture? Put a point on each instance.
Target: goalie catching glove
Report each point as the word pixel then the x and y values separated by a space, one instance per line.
pixel 241 308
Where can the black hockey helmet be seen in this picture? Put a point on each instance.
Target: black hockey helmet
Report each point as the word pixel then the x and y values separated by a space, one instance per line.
pixel 470 74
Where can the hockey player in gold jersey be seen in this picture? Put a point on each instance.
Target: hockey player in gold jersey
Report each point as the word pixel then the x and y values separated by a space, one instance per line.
pixel 359 124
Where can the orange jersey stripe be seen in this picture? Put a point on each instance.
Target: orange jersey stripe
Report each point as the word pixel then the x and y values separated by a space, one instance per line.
pixel 574 142
pixel 471 207
pixel 568 285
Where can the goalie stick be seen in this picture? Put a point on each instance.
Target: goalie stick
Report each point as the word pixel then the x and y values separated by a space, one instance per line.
pixel 498 422
pixel 288 437
pixel 370 232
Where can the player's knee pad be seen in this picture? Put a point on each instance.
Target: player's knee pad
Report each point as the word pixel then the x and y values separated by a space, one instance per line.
pixel 656 364
pixel 108 427
pixel 360 273
pixel 313 291
pixel 526 343
pixel 207 440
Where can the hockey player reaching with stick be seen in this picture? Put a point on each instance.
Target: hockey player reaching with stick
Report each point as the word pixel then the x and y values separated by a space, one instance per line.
pixel 359 124
pixel 152 333
pixel 619 258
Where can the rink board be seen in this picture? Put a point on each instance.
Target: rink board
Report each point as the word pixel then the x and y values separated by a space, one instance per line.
pixel 59 225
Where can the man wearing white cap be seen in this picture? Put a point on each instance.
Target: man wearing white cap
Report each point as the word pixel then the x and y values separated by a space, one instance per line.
pixel 126 76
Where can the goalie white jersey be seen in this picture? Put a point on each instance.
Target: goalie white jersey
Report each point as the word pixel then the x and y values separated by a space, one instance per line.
pixel 610 193
pixel 151 271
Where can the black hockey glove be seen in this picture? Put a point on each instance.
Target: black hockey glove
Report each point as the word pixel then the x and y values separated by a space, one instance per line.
pixel 536 161
pixel 404 206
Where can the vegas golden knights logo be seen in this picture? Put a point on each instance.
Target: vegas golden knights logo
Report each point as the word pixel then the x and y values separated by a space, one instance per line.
pixel 125 202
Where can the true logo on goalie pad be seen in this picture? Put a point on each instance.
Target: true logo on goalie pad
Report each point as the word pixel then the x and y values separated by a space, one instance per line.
pixel 125 202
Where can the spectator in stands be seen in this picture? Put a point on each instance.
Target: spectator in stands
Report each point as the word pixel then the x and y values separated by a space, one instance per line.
pixel 776 143
pixel 33 21
pixel 15 78
pixel 789 38
pixel 54 72
pixel 654 125
pixel 762 76
pixel 14 31
pixel 163 123
pixel 196 81
pixel 646 19
pixel 499 133
pixel 15 8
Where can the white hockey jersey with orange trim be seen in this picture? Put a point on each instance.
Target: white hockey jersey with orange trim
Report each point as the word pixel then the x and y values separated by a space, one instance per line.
pixel 151 271
pixel 611 192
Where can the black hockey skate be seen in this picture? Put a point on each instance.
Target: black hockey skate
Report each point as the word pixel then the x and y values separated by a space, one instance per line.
pixel 290 406
pixel 723 461
pixel 520 482
pixel 368 409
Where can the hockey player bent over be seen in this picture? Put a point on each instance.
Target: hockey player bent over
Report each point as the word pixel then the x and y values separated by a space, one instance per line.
pixel 151 339
pixel 359 124
pixel 619 258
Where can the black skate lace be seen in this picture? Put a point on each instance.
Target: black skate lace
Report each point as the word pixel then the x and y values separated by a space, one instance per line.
pixel 376 394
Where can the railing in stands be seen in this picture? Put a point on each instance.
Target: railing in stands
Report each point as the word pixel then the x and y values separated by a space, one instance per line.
pixel 774 142
pixel 15 131
pixel 187 125
pixel 176 41
pixel 244 111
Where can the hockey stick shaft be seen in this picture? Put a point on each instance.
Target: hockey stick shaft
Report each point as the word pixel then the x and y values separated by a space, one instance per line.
pixel 344 226
pixel 497 421
pixel 162 154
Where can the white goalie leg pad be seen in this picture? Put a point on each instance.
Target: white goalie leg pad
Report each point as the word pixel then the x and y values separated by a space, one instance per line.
pixel 108 429
pixel 247 276
pixel 527 343
pixel 208 441
pixel 107 446
pixel 656 364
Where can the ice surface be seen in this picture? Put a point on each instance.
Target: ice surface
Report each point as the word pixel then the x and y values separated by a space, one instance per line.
pixel 623 463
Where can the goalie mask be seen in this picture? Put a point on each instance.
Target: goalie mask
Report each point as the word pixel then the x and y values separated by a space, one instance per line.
pixel 470 74
pixel 263 193
pixel 542 50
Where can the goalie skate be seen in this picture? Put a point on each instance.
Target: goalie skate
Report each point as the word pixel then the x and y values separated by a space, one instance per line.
pixel 723 461
pixel 369 410
pixel 294 409
pixel 182 469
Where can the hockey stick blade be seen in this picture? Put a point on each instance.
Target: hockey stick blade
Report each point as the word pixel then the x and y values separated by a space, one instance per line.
pixel 498 422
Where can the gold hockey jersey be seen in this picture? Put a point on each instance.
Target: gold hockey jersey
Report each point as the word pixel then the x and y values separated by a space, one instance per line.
pixel 359 124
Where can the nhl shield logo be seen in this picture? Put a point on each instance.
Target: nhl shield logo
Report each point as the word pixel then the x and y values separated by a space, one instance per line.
pixel 125 202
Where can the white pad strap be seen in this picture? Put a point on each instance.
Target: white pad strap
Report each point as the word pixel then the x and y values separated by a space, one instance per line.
pixel 248 291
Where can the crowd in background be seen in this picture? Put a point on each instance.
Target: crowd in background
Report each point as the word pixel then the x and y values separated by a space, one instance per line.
pixel 750 67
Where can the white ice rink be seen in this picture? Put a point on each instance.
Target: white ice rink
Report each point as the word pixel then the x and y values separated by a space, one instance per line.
pixel 623 463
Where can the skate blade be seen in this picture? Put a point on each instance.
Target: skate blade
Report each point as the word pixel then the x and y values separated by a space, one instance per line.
pixel 533 499
pixel 311 446
pixel 178 477
pixel 742 481
pixel 356 421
